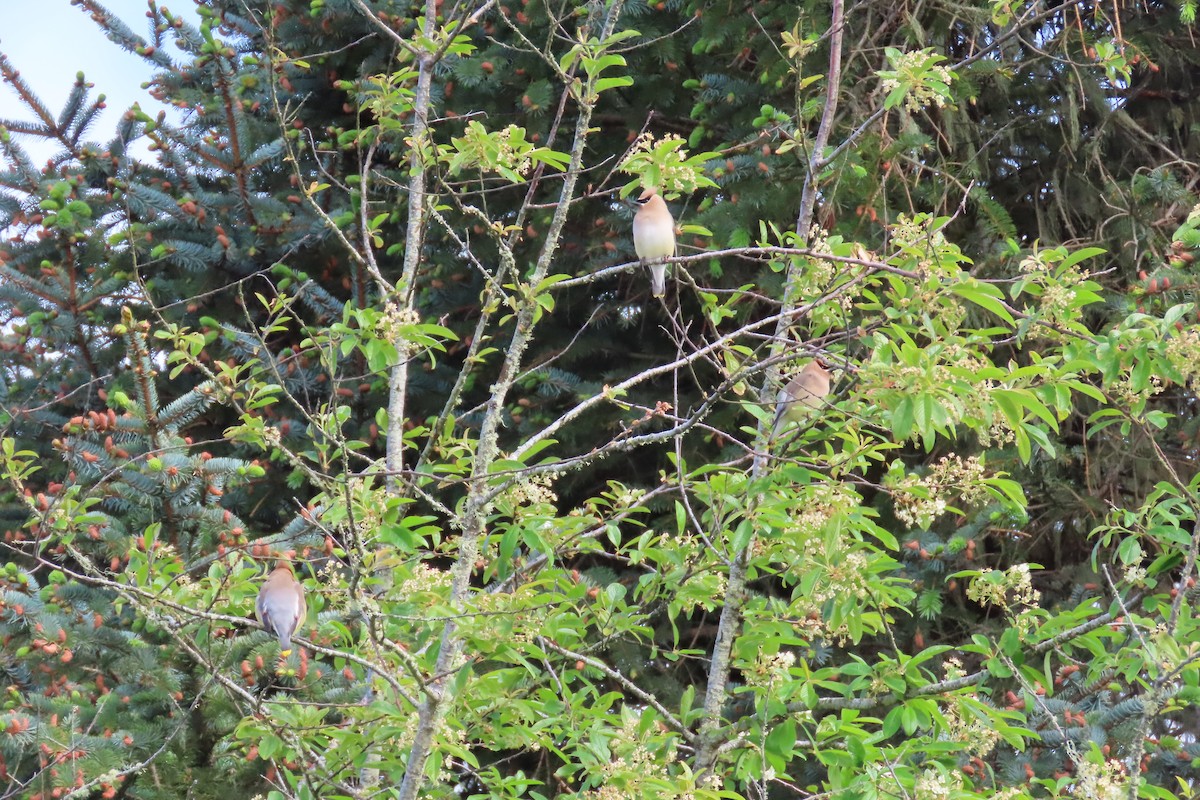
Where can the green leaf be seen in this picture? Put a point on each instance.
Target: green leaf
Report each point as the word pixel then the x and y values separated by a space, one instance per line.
pixel 742 536
pixel 1130 551
pixel 780 744
pixel 902 418
pixel 604 84
pixel 985 296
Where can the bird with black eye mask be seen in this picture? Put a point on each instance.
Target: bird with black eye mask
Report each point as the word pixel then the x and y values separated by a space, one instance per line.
pixel 654 238
pixel 280 607
pixel 802 395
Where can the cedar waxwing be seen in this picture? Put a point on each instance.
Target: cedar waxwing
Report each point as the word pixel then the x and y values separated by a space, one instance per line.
pixel 803 393
pixel 280 607
pixel 654 238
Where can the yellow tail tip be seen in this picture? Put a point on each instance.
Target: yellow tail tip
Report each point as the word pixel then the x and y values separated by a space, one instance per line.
pixel 285 653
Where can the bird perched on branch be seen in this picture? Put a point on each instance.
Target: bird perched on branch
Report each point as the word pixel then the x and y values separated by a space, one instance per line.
pixel 654 238
pixel 280 607
pixel 802 395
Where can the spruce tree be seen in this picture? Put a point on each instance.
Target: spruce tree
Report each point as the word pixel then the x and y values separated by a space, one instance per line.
pixel 365 305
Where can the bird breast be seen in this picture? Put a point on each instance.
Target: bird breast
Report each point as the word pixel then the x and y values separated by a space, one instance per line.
pixel 653 238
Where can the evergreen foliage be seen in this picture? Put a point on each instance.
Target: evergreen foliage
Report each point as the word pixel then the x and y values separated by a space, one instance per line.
pixel 371 302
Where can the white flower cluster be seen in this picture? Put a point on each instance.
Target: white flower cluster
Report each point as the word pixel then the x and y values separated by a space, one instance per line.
pixel 976 735
pixel 772 670
pixel 917 231
pixel 424 578
pixel 533 490
pixel 391 325
pixel 922 499
pixel 673 173
pixel 919 94
pixel 1013 589
pixel 821 504
pixel 632 761
pixel 1183 351
pixel 934 784
pixel 1106 781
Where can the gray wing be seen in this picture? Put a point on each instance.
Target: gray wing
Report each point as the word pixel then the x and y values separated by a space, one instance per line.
pixel 260 612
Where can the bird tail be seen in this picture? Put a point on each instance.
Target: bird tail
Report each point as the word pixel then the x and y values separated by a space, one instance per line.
pixel 285 644
pixel 658 279
pixel 780 421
